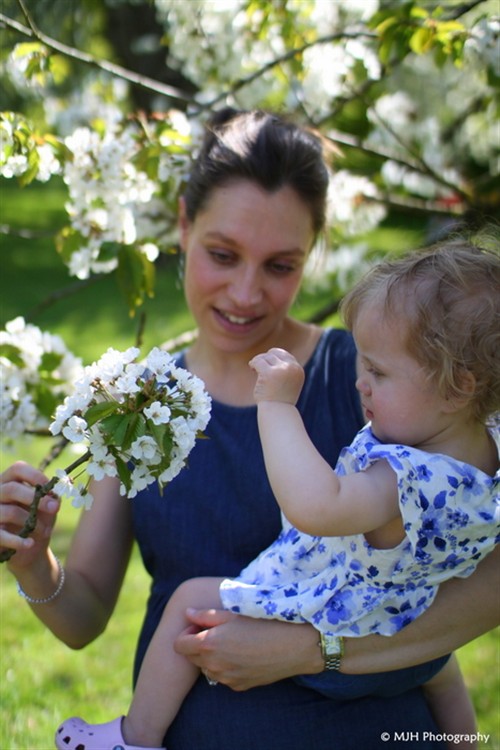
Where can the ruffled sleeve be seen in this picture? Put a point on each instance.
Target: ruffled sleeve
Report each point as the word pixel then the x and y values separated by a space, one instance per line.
pixel 448 508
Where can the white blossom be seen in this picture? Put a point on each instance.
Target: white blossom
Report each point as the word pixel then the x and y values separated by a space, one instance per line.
pixel 75 430
pixel 159 363
pixel 98 468
pixel 34 364
pixel 352 203
pixel 64 486
pixel 82 498
pixel 146 449
pixel 157 413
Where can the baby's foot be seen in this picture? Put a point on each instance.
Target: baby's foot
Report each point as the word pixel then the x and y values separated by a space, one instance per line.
pixel 76 734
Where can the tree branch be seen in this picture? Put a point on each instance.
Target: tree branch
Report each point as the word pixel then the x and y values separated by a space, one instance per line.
pixel 59 294
pixel 33 32
pixel 461 10
pixel 242 82
pixel 424 166
pixel 40 491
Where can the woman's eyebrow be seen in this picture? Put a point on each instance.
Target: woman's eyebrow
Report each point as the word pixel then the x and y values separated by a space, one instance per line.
pixel 221 237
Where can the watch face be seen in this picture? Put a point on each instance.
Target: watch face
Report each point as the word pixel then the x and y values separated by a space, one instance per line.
pixel 333 644
pixel 332 649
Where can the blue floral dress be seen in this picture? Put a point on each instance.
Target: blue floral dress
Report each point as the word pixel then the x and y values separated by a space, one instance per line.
pixel 343 585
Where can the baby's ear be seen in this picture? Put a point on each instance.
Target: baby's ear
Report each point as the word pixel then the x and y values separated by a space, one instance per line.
pixel 468 383
pixel 465 391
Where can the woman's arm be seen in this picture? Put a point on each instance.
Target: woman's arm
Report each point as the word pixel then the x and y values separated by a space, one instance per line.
pixel 95 565
pixel 244 653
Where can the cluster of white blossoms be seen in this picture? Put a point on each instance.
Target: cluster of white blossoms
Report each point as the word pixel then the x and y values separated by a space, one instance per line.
pixel 106 193
pixel 36 372
pixel 224 41
pixel 138 419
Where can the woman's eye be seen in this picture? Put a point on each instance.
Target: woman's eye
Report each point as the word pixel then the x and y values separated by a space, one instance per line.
pixel 221 256
pixel 281 268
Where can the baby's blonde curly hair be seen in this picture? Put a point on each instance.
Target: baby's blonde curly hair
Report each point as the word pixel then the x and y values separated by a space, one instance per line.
pixel 449 294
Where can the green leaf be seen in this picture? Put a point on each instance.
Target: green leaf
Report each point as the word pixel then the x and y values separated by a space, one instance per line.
pixel 115 426
pixel 45 400
pixel 13 354
pixel 136 428
pixel 157 432
pixel 388 23
pixel 50 361
pixel 421 41
pixel 68 241
pixel 32 171
pixel 28 48
pixel 123 472
pixel 98 412
pixel 418 12
pixel 136 276
pixel 59 68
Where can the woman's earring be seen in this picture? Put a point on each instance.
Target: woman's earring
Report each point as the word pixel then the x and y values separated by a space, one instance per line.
pixel 179 283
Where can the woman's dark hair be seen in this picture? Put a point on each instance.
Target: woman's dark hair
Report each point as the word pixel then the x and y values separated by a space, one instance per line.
pixel 265 149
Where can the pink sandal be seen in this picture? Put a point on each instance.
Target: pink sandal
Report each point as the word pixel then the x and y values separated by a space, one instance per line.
pixel 76 734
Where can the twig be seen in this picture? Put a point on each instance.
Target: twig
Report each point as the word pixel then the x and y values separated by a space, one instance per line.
pixel 54 453
pixel 289 55
pixel 139 337
pixel 59 294
pixel 40 491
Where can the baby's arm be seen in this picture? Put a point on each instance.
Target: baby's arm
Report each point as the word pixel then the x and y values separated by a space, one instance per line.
pixel 311 495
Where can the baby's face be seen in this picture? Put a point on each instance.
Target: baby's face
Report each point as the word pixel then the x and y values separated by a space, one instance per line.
pixel 397 395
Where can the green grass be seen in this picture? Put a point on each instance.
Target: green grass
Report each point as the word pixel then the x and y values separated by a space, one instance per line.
pixel 41 681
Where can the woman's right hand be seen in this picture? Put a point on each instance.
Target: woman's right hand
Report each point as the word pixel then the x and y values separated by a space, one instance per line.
pixel 17 487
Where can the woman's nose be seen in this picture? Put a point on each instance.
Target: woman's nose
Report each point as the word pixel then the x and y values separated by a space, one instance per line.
pixel 245 289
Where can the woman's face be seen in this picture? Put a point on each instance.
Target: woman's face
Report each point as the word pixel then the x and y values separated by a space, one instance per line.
pixel 245 253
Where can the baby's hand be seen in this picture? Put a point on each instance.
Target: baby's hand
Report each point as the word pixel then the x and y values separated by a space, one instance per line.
pixel 279 376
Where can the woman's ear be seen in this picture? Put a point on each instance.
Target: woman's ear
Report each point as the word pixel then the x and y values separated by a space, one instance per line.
pixel 183 224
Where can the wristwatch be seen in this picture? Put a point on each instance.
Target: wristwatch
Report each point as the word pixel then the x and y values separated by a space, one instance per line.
pixel 332 650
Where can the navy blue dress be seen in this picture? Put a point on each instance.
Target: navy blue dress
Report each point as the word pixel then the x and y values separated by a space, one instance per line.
pixel 215 517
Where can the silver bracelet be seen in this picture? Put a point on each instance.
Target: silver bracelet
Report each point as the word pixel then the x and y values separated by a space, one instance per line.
pixel 47 599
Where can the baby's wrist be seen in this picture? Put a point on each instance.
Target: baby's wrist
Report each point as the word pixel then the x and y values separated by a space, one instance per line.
pixel 273 403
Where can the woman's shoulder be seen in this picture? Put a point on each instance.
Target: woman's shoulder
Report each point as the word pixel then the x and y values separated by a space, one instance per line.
pixel 335 346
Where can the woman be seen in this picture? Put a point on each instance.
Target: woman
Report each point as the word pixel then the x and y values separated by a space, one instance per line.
pixel 251 212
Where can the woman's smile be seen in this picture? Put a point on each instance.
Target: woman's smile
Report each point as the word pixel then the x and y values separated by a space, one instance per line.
pixel 236 322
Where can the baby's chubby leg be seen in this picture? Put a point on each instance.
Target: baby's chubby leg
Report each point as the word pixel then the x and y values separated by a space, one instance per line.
pixel 450 703
pixel 166 677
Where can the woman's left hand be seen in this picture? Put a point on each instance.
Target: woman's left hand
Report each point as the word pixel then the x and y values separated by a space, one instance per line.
pixel 243 652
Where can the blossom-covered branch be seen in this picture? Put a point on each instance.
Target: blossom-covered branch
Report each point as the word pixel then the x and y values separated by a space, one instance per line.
pixel 135 419
pixel 33 32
